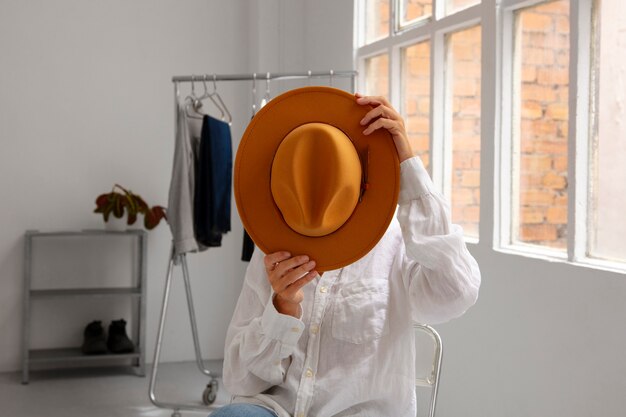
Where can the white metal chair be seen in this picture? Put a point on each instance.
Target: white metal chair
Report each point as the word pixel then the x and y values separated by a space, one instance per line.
pixel 425 337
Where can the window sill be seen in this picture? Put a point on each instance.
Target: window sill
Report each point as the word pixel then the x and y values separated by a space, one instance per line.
pixel 532 251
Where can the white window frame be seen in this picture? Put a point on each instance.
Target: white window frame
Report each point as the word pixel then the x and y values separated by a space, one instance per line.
pixel 435 29
pixel 495 18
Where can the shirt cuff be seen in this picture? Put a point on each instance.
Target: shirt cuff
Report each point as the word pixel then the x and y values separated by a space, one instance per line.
pixel 414 180
pixel 282 327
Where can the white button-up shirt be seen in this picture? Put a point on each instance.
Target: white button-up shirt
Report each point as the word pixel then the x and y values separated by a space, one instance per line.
pixel 352 351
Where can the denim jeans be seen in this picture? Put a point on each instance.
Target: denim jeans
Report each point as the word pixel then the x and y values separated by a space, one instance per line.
pixel 242 410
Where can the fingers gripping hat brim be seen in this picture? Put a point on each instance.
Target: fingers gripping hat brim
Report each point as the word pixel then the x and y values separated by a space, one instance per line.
pixel 253 165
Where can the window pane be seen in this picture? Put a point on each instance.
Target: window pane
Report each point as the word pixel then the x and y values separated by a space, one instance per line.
pixel 455 5
pixel 377 75
pixel 415 9
pixel 463 115
pixel 608 176
pixel 540 125
pixel 376 20
pixel 416 97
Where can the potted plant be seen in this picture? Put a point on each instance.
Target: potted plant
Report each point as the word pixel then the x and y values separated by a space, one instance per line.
pixel 118 203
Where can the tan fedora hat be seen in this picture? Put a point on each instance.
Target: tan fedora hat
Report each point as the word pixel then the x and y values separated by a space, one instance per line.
pixel 308 181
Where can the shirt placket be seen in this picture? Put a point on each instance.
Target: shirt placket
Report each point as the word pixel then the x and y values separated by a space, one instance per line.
pixel 311 360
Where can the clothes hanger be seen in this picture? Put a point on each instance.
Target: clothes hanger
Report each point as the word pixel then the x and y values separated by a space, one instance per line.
pixel 266 97
pixel 211 97
pixel 331 77
pixel 309 77
pixel 222 104
pixel 192 102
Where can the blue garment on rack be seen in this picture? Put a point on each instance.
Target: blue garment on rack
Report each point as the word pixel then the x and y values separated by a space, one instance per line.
pixel 213 182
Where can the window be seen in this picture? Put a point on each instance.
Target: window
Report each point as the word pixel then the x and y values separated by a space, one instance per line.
pixel 540 124
pixel 463 115
pixel 545 96
pixel 607 225
pixel 416 97
pixel 377 70
pixel 413 53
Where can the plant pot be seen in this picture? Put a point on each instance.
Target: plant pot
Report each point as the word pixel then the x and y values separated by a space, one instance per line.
pixel 116 225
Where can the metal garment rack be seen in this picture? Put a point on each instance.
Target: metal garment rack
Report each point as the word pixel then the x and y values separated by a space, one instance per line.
pixel 210 392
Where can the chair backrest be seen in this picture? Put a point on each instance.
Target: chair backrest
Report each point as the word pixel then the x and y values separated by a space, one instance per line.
pixel 428 355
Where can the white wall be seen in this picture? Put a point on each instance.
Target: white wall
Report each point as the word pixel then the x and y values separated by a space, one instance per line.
pixel 86 100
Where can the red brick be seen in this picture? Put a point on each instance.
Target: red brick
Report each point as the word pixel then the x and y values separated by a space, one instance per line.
pixel 560 200
pixel 557 215
pixel 540 93
pixel 531 110
pixel 533 233
pixel 423 105
pixel 471 178
pixel 533 197
pixel 560 7
pixel 557 111
pixel 465 87
pixel 550 147
pixel 529 73
pixel 535 163
pixel 562 24
pixel 419 142
pixel 461 160
pixel 560 163
pixel 537 56
pixel 417 124
pixel 465 126
pixel 462 196
pixel 554 181
pixel 410 107
pixel 530 181
pixel 531 215
pixel 471 214
pixel 536 22
pixel 470 107
pixel 553 76
pixel 476 160
pixel 468 143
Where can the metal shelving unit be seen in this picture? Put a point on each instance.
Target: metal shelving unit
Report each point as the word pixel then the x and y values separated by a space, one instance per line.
pixel 73 355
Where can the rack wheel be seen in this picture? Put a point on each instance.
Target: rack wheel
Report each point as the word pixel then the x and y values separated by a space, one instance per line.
pixel 210 392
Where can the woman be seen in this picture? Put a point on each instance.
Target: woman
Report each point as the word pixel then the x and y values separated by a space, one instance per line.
pixel 341 343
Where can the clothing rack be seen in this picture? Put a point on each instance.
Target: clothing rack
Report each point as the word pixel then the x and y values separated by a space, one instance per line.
pixel 210 392
pixel 260 76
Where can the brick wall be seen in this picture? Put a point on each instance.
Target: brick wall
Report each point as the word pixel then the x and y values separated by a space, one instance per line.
pixel 543 47
pixel 542 85
pixel 464 78
pixel 416 100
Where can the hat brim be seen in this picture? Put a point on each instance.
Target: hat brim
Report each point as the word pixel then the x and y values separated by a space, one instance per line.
pixel 253 165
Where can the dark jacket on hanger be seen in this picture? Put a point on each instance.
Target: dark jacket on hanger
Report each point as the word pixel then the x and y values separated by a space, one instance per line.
pixel 213 182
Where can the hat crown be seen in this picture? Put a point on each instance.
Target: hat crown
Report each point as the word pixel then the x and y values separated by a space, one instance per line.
pixel 316 179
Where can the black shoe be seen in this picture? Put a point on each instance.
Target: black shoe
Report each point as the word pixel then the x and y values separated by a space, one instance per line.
pixel 94 342
pixel 118 341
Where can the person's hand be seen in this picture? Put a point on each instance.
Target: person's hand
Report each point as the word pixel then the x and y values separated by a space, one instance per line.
pixel 287 276
pixel 383 115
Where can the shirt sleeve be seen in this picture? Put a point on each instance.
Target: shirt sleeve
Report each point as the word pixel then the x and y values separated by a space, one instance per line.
pixel 440 275
pixel 259 340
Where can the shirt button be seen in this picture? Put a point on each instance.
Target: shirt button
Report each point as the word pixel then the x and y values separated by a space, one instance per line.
pixel 295 329
pixel 314 329
pixel 300 414
pixel 323 289
pixel 309 373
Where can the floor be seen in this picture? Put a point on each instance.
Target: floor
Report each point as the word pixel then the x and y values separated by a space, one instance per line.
pixel 106 392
